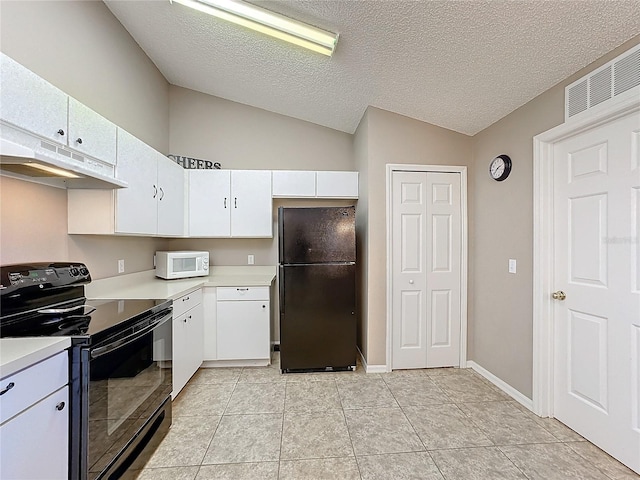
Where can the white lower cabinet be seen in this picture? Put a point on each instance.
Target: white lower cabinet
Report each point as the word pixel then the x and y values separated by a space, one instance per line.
pixel 35 442
pixel 188 333
pixel 243 323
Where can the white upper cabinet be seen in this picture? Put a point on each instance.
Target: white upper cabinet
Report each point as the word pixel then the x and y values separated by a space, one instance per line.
pixel 310 184
pixel 32 103
pixel 154 202
pixel 91 133
pixel 230 203
pixel 294 183
pixel 170 197
pixel 209 200
pixel 251 210
pixel 136 206
pixel 337 184
pixel 152 205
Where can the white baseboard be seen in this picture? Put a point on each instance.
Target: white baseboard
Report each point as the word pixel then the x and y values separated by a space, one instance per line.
pixel 371 368
pixel 502 385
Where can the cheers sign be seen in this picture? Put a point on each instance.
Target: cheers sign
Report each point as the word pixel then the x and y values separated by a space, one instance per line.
pixel 194 163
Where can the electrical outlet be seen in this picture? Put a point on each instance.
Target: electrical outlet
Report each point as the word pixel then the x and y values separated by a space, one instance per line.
pixel 120 266
pixel 512 265
pixel 251 259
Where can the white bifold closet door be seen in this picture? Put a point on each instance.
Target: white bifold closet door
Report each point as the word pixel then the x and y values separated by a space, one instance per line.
pixel 426 265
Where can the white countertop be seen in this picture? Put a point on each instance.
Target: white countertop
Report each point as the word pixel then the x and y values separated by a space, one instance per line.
pixel 145 285
pixel 19 353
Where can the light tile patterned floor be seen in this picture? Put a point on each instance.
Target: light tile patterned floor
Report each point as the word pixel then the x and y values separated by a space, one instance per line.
pixel 256 424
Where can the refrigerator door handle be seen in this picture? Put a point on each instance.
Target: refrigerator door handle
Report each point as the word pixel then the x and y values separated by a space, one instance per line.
pixel 281 290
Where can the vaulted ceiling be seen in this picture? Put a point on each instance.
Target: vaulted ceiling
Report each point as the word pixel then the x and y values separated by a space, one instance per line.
pixel 458 64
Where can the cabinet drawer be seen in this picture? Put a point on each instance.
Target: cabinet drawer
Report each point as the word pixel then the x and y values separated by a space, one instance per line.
pixel 243 293
pixel 186 302
pixel 33 384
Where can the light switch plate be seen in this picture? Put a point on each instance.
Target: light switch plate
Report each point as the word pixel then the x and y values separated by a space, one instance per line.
pixel 512 265
pixel 120 266
pixel 251 260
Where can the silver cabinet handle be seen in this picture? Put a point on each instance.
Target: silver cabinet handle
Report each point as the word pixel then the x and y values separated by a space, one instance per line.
pixel 186 299
pixel 161 193
pixel 155 191
pixel 60 406
pixel 235 202
pixel 225 202
pixel 7 388
pixel 79 141
pixel 61 132
pixel 242 289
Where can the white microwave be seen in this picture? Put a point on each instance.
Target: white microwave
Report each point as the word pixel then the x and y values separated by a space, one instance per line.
pixel 182 264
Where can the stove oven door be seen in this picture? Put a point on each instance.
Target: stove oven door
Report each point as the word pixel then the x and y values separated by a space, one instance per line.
pixel 130 380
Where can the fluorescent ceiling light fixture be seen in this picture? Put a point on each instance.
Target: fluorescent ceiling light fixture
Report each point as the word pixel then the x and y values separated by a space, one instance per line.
pixel 267 22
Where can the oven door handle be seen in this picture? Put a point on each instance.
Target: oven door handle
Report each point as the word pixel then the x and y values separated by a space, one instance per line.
pixel 57 311
pixel 121 342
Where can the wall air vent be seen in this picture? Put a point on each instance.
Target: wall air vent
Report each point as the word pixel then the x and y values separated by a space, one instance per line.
pixel 620 76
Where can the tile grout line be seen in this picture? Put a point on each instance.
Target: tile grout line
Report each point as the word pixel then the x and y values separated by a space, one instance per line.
pixel 346 424
pixel 220 420
pixel 284 409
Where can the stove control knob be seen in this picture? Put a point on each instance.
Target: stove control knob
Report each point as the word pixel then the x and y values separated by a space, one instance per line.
pixel 74 271
pixel 84 272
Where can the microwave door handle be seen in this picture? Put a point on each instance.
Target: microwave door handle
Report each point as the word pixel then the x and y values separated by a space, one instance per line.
pixel 110 347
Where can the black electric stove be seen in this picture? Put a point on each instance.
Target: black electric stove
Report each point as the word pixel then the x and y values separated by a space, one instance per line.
pixel 120 362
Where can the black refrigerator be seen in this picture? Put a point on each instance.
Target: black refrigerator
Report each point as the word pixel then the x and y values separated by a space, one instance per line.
pixel 317 285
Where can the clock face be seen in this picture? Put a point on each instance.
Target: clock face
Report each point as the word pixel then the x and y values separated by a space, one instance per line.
pixel 500 167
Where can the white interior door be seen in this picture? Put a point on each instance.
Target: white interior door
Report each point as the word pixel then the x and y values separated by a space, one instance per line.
pixel 426 269
pixel 597 266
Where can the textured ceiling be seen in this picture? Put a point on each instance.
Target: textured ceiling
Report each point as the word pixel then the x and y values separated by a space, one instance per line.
pixel 458 64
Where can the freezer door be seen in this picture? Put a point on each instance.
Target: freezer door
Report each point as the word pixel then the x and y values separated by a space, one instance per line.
pixel 317 316
pixel 317 235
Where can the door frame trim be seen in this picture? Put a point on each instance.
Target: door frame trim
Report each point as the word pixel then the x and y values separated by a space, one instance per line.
pixel 399 167
pixel 543 237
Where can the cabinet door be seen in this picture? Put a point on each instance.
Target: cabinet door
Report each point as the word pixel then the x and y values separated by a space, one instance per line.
pixel 136 206
pixel 180 354
pixel 209 314
pixel 251 214
pixel 35 444
pixel 243 330
pixel 337 184
pixel 195 338
pixel 294 183
pixel 91 133
pixel 31 102
pixel 170 197
pixel 209 203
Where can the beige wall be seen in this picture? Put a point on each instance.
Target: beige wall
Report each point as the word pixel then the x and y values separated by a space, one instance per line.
pixel 243 137
pixel 501 339
pixel 394 138
pixel 82 49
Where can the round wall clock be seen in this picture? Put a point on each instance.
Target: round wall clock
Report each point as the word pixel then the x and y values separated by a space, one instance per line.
pixel 500 167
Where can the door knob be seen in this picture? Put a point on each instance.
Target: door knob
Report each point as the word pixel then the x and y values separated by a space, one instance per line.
pixel 559 295
pixel 411 282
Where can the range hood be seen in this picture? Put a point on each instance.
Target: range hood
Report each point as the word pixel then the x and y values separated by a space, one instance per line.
pixel 30 158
